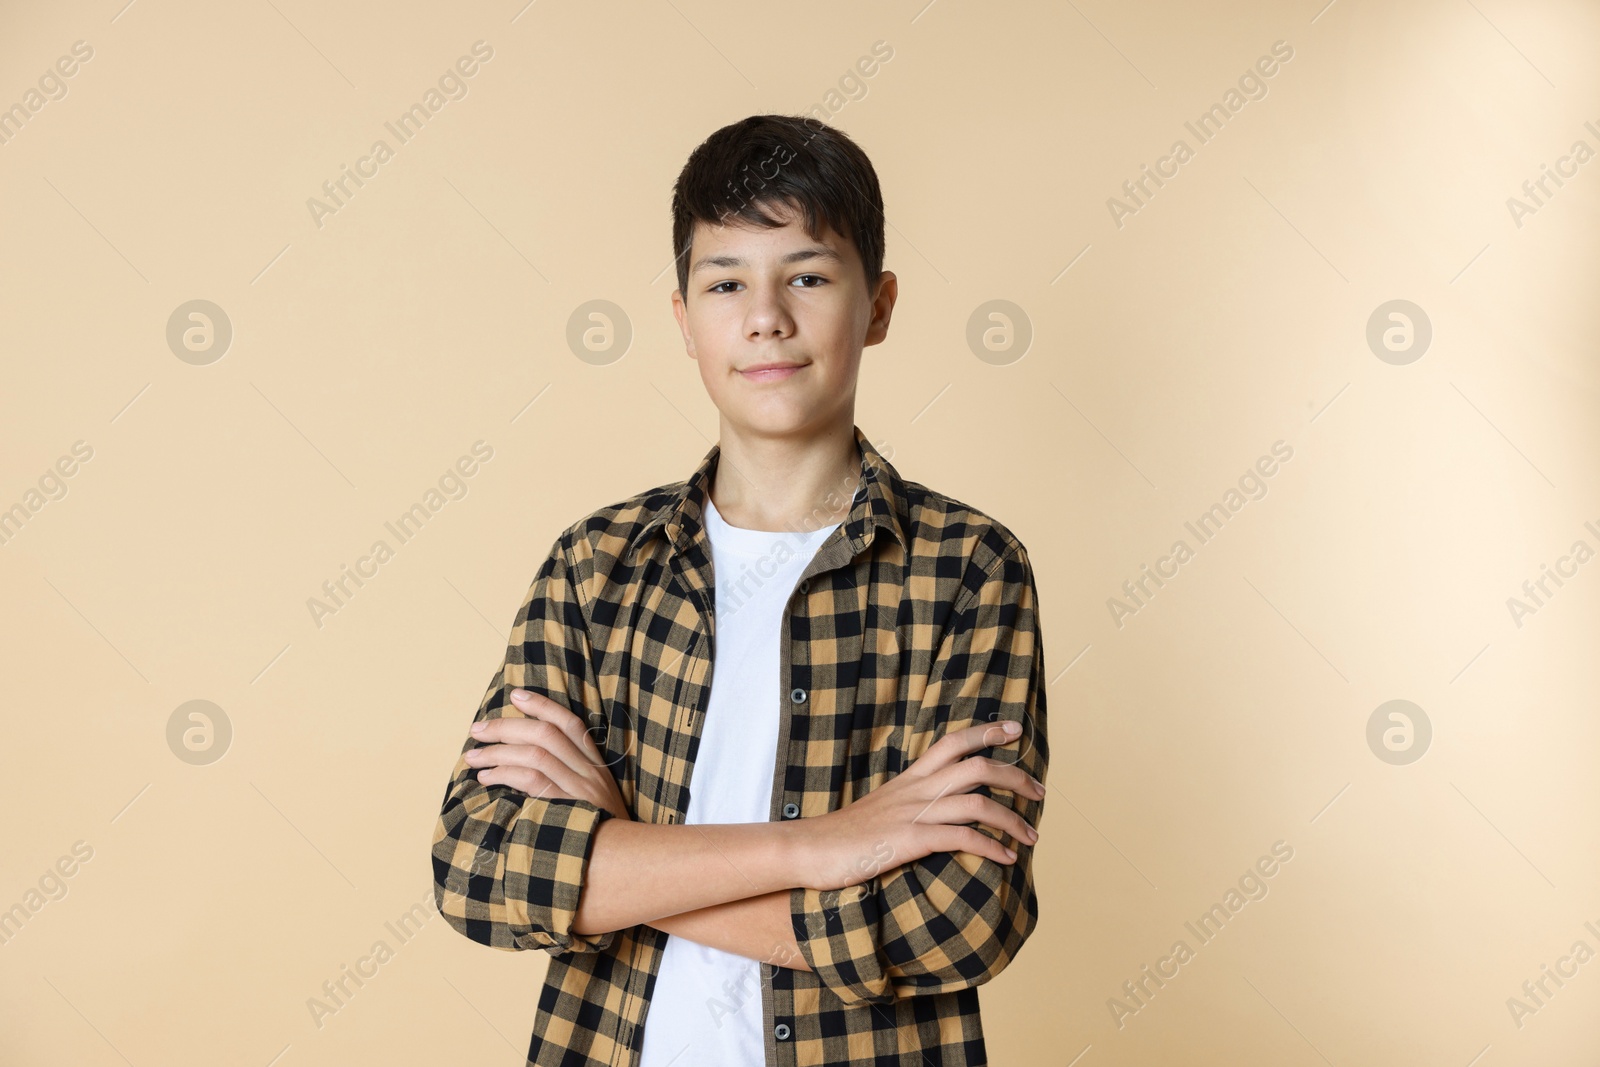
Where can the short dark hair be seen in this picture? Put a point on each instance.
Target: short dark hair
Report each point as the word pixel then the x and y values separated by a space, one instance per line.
pixel 780 159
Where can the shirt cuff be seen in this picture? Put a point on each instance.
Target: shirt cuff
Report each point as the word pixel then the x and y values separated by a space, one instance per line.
pixel 547 865
pixel 836 931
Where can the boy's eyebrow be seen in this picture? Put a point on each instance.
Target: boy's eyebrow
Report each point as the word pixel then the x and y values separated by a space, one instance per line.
pixel 797 256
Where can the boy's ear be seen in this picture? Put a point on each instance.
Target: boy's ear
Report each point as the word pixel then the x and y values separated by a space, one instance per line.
pixel 680 311
pixel 882 308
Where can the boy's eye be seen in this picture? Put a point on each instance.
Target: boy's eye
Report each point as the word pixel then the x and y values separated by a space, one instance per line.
pixel 718 288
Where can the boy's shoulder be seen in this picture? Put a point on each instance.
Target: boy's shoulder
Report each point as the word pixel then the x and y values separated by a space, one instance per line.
pixel 943 526
pixel 616 527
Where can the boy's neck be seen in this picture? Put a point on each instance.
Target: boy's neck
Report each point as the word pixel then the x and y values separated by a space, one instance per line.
pixel 787 484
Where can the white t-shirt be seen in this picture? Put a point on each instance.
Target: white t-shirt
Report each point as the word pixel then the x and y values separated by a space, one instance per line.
pixel 706 1007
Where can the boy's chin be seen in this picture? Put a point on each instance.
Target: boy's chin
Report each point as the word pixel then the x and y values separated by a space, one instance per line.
pixel 770 422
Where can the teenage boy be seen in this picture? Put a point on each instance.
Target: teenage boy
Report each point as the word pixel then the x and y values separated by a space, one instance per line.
pixel 845 664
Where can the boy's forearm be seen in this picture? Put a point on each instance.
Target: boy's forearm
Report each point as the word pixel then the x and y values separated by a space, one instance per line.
pixel 639 872
pixel 758 928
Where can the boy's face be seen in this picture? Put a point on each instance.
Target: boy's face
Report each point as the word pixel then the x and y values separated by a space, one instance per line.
pixel 759 298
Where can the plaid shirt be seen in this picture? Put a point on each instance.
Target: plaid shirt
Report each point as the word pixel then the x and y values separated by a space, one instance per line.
pixel 916 617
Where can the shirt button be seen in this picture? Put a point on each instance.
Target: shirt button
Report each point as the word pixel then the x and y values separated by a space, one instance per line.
pixel 797 695
pixel 805 586
pixel 790 810
pixel 781 1031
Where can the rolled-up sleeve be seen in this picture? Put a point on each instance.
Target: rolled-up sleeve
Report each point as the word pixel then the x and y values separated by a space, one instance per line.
pixel 509 868
pixel 950 919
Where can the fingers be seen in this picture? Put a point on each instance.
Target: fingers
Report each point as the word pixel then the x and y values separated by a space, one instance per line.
pixel 973 840
pixel 548 726
pixel 963 808
pixel 523 779
pixel 981 770
pixel 958 743
pixel 549 752
pixel 509 760
pixel 536 705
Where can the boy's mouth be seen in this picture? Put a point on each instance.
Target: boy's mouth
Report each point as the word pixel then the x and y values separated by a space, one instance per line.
pixel 771 372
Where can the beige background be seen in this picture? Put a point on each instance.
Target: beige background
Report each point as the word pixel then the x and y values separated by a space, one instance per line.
pixel 1167 355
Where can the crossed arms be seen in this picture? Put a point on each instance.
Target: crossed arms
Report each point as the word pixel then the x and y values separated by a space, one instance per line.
pixel 907 890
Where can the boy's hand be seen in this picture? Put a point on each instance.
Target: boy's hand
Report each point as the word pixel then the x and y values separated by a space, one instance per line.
pixel 922 810
pixel 547 754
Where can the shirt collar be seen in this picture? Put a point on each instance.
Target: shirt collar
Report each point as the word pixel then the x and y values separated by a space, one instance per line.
pixel 879 501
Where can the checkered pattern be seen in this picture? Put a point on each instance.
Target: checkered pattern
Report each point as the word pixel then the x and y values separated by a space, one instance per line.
pixel 917 616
